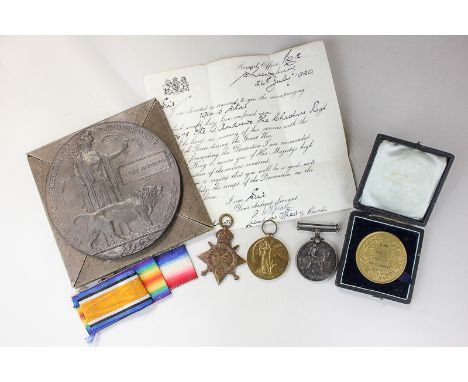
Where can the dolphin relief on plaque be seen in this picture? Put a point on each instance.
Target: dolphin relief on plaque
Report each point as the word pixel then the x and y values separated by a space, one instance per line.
pixel 262 135
pixel 112 189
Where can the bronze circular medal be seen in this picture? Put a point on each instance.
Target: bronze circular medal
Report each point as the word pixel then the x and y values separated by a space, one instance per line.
pixel 381 257
pixel 268 257
pixel 112 189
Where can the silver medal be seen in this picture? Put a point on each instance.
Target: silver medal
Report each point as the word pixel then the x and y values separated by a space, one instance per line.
pixel 316 260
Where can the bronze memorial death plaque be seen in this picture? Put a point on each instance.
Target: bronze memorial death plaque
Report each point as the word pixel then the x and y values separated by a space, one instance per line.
pixel 112 189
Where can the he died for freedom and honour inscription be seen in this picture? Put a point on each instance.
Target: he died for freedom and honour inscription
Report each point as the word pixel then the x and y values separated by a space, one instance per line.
pixel 262 135
pixel 112 189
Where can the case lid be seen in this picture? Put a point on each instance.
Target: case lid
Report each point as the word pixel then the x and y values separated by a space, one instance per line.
pixel 402 180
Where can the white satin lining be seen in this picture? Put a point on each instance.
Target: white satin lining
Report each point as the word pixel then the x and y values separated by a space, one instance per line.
pixel 402 180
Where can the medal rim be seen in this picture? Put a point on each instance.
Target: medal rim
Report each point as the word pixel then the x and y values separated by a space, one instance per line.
pixel 398 241
pixel 250 255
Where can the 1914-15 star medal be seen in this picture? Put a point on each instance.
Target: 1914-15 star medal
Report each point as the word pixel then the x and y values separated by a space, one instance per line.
pixel 222 258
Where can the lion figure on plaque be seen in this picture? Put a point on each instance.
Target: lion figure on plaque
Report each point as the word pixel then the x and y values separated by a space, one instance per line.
pixel 112 222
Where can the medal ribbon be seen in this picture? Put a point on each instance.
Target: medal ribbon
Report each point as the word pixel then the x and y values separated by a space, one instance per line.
pixel 133 289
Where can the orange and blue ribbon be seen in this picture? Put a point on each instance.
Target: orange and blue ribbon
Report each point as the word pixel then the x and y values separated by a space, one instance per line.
pixel 133 289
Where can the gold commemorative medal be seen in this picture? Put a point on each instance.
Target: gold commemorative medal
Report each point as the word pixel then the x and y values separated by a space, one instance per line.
pixel 268 257
pixel 381 257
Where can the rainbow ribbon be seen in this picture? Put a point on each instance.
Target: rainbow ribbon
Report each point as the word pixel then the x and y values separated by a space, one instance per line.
pixel 133 289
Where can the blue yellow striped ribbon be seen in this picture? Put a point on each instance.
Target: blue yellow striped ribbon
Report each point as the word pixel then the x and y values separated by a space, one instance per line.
pixel 133 289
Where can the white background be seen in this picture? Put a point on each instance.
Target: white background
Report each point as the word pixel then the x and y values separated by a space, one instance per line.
pixel 413 88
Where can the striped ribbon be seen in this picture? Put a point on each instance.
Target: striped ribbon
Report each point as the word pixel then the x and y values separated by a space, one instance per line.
pixel 133 289
pixel 176 267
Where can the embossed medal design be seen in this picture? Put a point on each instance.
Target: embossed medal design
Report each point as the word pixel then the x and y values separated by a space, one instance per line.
pixel 381 257
pixel 268 257
pixel 112 189
pixel 222 258
pixel 316 260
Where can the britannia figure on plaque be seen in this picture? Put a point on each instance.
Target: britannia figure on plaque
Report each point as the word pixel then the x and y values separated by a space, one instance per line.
pixel 95 174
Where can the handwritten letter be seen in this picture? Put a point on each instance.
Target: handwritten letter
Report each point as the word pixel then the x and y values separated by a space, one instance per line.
pixel 262 135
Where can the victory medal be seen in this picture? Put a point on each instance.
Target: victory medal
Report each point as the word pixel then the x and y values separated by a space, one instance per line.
pixel 268 257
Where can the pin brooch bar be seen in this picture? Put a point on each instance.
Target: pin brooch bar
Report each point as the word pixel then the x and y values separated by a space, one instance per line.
pixel 315 226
